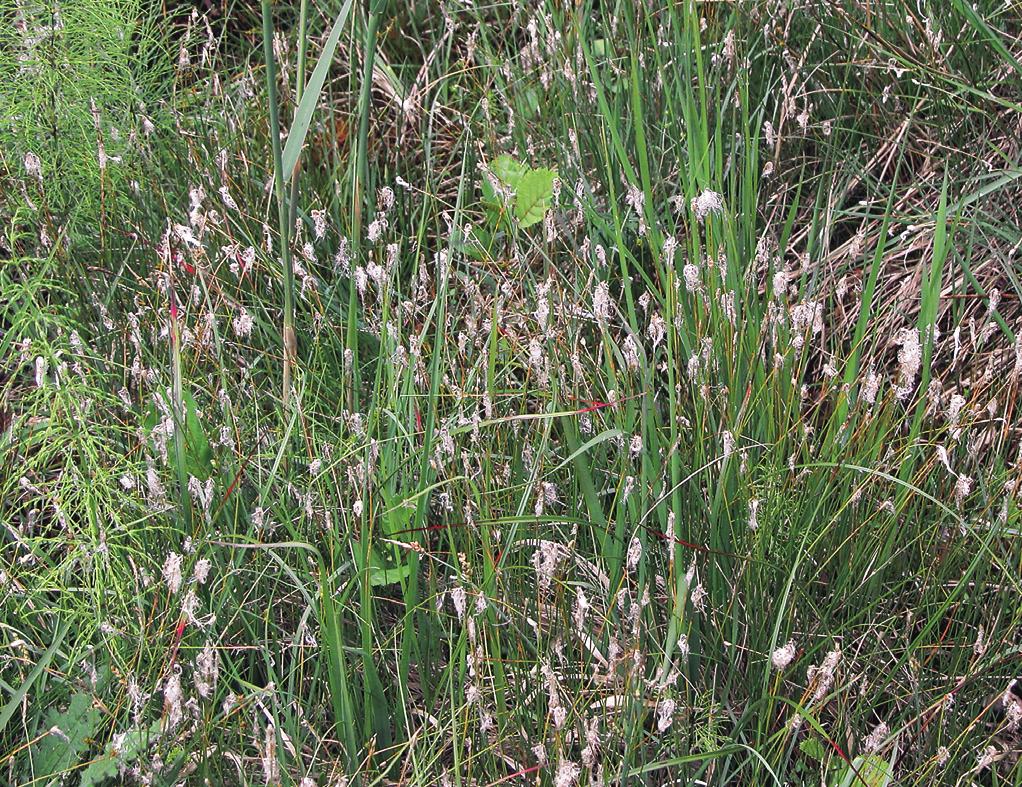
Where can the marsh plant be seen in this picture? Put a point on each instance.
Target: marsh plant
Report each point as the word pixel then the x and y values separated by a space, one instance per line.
pixel 80 84
pixel 480 393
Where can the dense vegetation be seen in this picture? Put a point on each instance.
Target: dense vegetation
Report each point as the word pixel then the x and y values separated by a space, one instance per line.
pixel 471 393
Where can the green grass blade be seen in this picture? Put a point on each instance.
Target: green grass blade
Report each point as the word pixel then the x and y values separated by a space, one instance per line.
pixel 311 94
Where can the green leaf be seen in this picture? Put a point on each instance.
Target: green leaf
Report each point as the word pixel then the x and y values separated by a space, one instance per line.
pixel 198 453
pixel 134 742
pixel 533 191
pixel 478 243
pixel 58 751
pixel 869 771
pixel 99 771
pixel 379 577
pixel 310 96
pixel 489 194
pixel 533 196
pixel 508 171
pixel 382 573
pixel 812 747
pixel 199 450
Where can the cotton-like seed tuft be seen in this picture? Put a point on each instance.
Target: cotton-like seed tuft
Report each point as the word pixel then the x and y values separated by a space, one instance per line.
pixel 665 714
pixel 783 656
pixel 172 572
pixel 707 203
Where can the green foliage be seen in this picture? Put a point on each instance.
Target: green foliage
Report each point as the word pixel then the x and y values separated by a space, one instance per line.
pixel 508 171
pixel 813 748
pixel 870 771
pixel 69 737
pixel 311 96
pixel 533 194
pixel 198 456
pixel 640 490
pixel 530 191
pixel 79 78
pixel 120 753
pixel 381 574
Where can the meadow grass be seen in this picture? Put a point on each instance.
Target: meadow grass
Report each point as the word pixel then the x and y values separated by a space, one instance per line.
pixel 490 393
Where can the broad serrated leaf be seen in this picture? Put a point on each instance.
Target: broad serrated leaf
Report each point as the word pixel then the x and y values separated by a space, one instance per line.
pixel 100 771
pixel 811 747
pixel 508 171
pixel 871 771
pixel 123 751
pixel 533 196
pixel 68 738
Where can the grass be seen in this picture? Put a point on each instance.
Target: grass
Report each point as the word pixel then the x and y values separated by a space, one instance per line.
pixel 598 393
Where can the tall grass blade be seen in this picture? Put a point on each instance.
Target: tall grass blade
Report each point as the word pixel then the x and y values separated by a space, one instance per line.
pixel 310 95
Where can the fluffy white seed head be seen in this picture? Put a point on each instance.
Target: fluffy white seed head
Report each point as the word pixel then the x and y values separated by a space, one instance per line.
pixel 601 303
pixel 708 202
pixel 783 656
pixel 172 572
